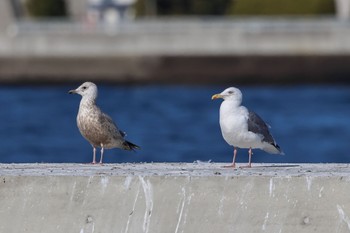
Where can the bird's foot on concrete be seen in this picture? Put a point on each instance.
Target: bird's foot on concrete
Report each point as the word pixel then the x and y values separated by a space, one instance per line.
pixel 247 166
pixel 232 165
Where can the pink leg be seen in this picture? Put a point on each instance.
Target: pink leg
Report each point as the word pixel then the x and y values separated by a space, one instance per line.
pixel 250 152
pixel 233 165
pixel 101 154
pixel 94 155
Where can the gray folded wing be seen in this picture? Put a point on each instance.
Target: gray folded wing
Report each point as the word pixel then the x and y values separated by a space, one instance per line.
pixel 109 126
pixel 258 126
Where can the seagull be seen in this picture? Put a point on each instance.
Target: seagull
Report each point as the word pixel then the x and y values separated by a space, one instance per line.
pixel 242 128
pixel 97 127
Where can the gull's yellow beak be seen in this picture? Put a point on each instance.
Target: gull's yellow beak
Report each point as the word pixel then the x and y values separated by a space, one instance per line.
pixel 216 96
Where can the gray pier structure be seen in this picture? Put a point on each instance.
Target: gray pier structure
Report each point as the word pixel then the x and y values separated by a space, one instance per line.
pixel 175 50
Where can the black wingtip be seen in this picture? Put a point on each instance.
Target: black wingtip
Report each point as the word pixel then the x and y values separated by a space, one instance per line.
pixel 131 146
pixel 279 149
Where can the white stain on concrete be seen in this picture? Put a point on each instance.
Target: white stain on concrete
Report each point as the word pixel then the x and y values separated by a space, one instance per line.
pixel 189 198
pixel 343 216
pixel 221 205
pixel 147 189
pixel 133 210
pixel 295 203
pixel 127 182
pixel 272 188
pixel 73 191
pixel 265 221
pixel 92 230
pixel 89 181
pixel 243 197
pixel 321 192
pixel 309 182
pixel 181 210
pixel 85 191
pixel 104 182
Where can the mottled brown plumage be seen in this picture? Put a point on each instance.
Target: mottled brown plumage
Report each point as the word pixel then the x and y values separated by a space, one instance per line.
pixel 95 126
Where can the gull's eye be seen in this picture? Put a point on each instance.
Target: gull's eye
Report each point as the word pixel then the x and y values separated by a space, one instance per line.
pixel 230 92
pixel 84 87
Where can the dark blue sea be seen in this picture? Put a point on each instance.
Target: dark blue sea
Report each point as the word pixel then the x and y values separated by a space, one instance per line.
pixel 174 123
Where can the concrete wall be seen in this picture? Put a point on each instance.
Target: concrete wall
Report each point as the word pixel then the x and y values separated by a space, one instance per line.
pixel 174 198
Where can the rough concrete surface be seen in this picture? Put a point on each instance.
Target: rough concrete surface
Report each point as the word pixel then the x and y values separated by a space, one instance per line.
pixel 198 197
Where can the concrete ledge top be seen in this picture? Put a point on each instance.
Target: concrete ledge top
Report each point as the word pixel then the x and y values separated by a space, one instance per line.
pixel 201 169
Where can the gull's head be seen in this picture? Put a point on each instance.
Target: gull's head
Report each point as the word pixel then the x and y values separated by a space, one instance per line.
pixel 231 93
pixel 87 89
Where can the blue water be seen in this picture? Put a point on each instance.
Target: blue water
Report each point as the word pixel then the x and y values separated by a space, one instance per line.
pixel 174 123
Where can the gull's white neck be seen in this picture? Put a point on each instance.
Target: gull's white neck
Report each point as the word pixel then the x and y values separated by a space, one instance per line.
pixel 87 102
pixel 229 106
pixel 232 120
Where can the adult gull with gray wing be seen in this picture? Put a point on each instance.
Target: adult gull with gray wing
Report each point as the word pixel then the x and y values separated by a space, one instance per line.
pixel 242 128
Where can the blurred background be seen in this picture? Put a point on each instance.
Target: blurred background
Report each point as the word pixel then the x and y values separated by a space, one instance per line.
pixel 158 62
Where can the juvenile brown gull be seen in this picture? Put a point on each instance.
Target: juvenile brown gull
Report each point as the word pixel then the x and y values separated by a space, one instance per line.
pixel 97 127
pixel 242 128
